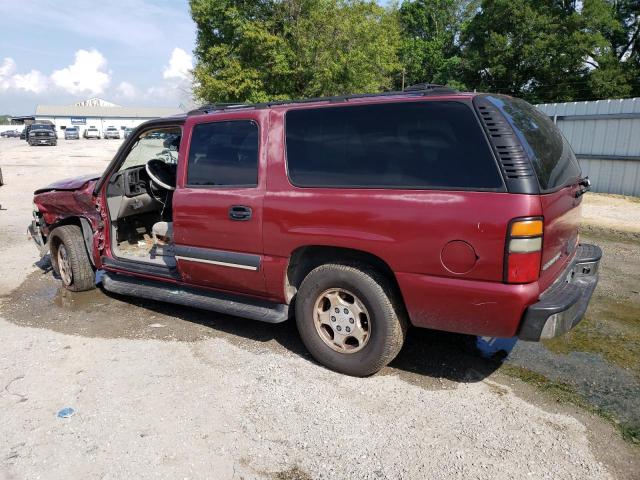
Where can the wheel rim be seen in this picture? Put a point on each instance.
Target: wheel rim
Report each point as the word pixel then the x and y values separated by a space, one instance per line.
pixel 341 320
pixel 64 266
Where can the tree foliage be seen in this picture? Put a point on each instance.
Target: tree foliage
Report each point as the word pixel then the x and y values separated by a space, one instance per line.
pixel 266 50
pixel 549 50
pixel 542 50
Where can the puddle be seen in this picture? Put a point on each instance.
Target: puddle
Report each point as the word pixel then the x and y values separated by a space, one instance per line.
pixel 41 302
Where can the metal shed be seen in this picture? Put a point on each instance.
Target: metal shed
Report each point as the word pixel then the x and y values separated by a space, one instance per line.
pixel 605 135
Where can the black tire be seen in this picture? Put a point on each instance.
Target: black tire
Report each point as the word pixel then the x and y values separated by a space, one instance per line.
pixel 387 317
pixel 82 274
pixel 1 179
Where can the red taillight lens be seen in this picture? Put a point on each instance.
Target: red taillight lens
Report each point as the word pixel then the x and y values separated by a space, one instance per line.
pixel 523 267
pixel 523 250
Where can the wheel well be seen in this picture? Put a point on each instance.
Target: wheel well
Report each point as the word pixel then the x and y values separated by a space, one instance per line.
pixel 85 228
pixel 305 259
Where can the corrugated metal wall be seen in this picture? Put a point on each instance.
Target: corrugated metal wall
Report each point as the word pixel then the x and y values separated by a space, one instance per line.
pixel 605 135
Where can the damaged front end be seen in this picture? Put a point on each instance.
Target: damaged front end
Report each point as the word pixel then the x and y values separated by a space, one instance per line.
pixel 35 231
pixel 70 201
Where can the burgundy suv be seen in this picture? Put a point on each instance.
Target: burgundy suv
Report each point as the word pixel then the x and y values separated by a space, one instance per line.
pixel 358 215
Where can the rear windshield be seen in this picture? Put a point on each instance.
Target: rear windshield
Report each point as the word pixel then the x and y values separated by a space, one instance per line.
pixel 552 157
pixel 413 145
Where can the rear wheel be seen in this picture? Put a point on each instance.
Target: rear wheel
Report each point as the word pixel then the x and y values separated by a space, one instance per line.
pixel 70 259
pixel 350 319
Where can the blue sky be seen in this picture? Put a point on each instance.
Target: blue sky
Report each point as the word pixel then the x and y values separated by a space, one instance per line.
pixel 131 52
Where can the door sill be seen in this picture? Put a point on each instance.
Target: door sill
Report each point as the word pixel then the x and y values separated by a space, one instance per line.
pixel 219 302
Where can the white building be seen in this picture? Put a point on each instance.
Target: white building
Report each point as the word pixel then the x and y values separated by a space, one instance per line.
pixel 99 113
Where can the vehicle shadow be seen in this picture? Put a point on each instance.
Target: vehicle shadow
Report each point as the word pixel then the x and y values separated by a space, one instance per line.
pixel 430 353
pixel 426 353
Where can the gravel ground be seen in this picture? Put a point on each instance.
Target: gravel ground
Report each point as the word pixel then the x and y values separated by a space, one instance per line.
pixel 215 399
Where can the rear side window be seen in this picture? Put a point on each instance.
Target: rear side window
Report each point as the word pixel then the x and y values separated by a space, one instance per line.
pixel 224 154
pixel 413 145
pixel 552 157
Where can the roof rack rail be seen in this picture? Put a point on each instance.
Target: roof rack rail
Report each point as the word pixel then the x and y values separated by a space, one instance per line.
pixel 210 107
pixel 420 89
pixel 425 87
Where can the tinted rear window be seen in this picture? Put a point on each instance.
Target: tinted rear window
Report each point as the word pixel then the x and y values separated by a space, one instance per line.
pixel 415 145
pixel 552 157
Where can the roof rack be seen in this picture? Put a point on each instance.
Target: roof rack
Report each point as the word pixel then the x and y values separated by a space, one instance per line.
pixel 420 89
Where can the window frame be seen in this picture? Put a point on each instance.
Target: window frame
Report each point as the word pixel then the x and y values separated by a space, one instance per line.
pixel 222 187
pixel 526 144
pixel 132 141
pixel 500 189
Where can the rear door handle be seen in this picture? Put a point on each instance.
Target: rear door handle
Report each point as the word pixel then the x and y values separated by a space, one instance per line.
pixel 239 212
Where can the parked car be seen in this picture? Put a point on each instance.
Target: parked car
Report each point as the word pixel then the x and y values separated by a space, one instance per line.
pixel 42 134
pixel 10 134
pixel 72 133
pixel 157 135
pixel 92 132
pixel 126 132
pixel 358 215
pixel 111 132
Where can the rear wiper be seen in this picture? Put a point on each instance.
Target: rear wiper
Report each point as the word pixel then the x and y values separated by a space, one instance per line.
pixel 585 186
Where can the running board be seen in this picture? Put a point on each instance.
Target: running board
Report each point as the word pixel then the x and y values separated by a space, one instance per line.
pixel 213 301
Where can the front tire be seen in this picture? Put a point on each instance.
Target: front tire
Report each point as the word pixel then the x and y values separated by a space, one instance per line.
pixel 350 318
pixel 70 259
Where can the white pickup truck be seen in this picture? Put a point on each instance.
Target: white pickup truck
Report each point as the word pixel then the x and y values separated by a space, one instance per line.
pixel 92 132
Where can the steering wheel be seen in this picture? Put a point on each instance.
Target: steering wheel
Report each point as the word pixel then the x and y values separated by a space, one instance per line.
pixel 162 174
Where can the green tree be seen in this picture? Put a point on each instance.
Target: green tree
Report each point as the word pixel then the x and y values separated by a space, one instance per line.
pixel 281 49
pixel 429 48
pixel 553 50
pixel 530 48
pixel 616 63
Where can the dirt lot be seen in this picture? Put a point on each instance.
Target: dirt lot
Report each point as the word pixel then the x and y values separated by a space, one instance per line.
pixel 167 392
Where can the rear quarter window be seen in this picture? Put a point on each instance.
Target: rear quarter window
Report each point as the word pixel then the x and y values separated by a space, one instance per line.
pixel 412 145
pixel 553 159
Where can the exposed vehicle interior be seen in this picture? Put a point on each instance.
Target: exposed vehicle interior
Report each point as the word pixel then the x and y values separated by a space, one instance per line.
pixel 139 196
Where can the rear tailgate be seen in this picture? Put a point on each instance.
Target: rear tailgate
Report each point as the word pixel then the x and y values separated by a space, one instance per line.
pixel 558 181
pixel 562 212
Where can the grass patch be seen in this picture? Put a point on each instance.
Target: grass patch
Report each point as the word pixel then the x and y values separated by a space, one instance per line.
pixel 610 329
pixel 294 473
pixel 564 393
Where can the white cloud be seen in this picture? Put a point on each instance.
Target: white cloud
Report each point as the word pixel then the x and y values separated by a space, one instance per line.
pixel 125 89
pixel 6 71
pixel 34 81
pixel 8 67
pixel 87 75
pixel 180 65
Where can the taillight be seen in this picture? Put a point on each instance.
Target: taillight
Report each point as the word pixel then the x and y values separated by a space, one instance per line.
pixel 523 250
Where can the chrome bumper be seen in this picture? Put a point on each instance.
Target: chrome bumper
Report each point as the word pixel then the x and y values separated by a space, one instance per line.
pixel 563 304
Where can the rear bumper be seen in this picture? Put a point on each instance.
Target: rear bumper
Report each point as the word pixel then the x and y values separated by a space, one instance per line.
pixel 563 304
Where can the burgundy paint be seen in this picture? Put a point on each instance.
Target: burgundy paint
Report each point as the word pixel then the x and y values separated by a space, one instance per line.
pixel 446 248
pixel 458 256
